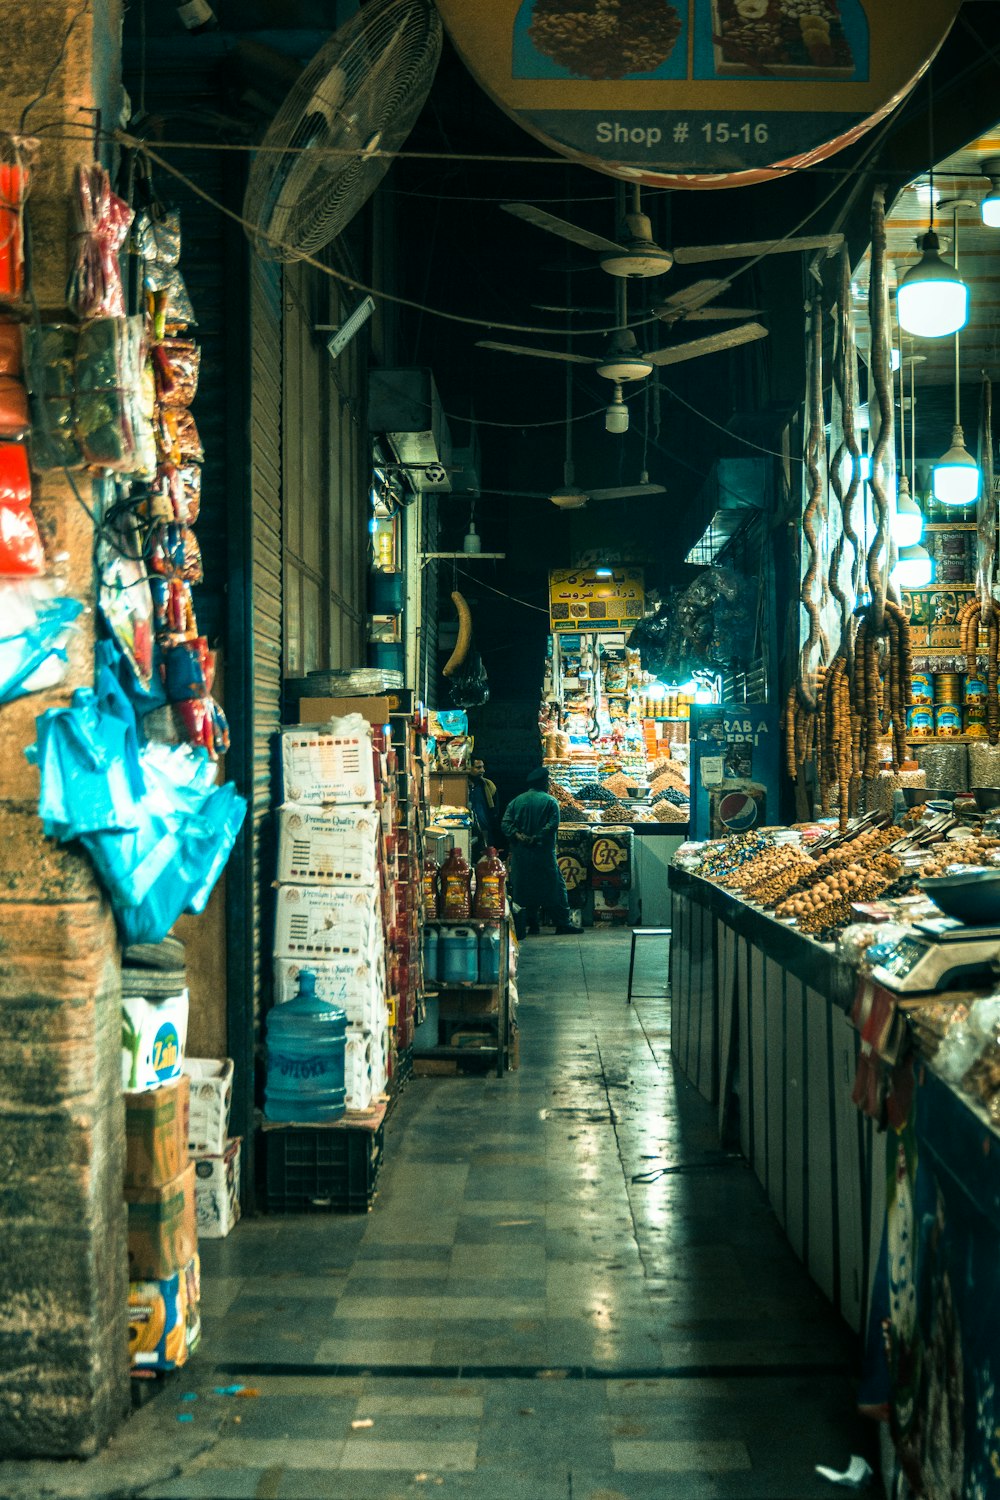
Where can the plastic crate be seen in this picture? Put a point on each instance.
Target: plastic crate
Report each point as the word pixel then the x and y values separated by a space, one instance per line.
pixel 322 1170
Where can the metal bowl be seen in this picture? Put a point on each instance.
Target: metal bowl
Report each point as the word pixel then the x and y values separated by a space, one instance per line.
pixel 987 797
pixel 971 895
pixel 913 796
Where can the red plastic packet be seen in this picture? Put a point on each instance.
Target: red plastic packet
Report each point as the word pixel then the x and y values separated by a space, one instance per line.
pixel 21 551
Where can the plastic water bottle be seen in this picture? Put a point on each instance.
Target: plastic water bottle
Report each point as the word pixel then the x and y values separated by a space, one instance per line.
pixel 306 1038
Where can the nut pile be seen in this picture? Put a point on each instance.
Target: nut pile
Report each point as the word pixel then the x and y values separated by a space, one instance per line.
pixel 605 38
pixel 974 851
pixel 767 862
pixel 828 904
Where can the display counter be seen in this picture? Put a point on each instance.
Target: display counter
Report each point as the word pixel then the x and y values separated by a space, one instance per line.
pixel 759 1023
pixel 899 1228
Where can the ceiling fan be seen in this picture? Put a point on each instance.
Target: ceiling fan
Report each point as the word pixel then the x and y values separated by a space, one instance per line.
pixel 689 304
pixel 622 358
pixel 569 495
pixel 637 255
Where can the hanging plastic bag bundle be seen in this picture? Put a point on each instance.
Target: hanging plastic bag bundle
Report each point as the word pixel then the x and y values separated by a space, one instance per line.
pixel 21 552
pixel 101 224
pixel 14 418
pixel 35 628
pixel 15 179
pixel 88 757
pixel 158 829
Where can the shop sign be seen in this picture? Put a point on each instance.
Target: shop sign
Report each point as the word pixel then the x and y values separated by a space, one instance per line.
pixel 580 600
pixel 697 93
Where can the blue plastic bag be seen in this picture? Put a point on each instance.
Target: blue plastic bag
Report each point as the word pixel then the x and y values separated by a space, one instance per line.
pixel 88 758
pixel 157 828
pixel 34 629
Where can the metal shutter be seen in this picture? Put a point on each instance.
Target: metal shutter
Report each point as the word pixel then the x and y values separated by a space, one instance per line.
pixel 266 564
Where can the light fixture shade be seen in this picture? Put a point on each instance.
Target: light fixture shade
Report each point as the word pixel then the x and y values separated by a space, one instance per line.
pixel 990 209
pixel 616 415
pixel 913 569
pixel 932 299
pixel 955 476
pixel 908 520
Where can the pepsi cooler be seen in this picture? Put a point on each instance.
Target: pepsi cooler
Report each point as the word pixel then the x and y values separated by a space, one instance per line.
pixel 735 749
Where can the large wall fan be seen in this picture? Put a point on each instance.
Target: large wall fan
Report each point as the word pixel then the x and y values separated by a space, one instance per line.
pixel 360 96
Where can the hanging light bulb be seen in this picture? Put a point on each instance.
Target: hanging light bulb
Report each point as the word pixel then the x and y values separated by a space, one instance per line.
pixel 932 300
pixel 913 569
pixel 616 415
pixel 472 542
pixel 908 520
pixel 990 206
pixel 956 477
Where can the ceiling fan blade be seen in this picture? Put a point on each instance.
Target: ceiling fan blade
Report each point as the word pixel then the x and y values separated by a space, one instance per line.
pixel 517 494
pixel 597 312
pixel 691 255
pixel 628 492
pixel 695 295
pixel 712 343
pixel 570 359
pixel 720 314
pixel 579 236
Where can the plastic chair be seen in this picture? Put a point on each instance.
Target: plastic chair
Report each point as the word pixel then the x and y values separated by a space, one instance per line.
pixel 644 932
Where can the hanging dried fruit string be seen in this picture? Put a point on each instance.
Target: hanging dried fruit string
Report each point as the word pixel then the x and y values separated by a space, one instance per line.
pixel 878 312
pixel 981 614
pixel 816 647
pixel 880 686
pixel 802 704
pixel 846 460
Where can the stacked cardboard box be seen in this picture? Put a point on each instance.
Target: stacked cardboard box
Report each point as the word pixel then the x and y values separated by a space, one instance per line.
pixel 164 1322
pixel 333 897
pixel 214 1153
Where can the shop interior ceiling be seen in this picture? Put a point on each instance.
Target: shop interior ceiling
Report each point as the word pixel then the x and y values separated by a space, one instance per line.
pixel 460 252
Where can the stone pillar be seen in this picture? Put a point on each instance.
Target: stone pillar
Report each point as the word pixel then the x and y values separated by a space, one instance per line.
pixel 63 1268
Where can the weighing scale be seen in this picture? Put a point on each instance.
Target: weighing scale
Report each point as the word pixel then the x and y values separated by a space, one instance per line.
pixel 940 954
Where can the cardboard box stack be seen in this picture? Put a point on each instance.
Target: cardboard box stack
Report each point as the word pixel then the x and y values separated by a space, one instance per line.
pixel 214 1153
pixel 406 934
pixel 164 1319
pixel 334 899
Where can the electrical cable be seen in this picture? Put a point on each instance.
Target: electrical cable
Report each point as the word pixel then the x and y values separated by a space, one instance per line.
pixel 59 59
pixel 137 144
pixel 512 597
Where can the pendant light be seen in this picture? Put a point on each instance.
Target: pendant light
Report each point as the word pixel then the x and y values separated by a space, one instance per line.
pixel 913 568
pixel 990 206
pixel 932 300
pixel 907 520
pixel 616 415
pixel 472 542
pixel 955 476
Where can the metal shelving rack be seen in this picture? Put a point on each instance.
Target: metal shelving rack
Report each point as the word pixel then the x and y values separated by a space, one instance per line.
pixel 501 1051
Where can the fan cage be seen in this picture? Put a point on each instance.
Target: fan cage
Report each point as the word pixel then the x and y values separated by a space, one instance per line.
pixel 362 92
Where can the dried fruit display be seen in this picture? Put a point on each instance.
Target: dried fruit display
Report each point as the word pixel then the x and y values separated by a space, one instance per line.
pixel 605 38
pixel 781 37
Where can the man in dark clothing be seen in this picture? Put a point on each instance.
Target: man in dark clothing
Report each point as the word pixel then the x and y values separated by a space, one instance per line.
pixel 530 824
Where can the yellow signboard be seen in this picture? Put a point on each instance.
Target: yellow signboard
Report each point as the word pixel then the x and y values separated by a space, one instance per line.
pixel 697 93
pixel 583 599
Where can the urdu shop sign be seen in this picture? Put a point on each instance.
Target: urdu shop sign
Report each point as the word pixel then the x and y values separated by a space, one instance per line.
pixel 697 93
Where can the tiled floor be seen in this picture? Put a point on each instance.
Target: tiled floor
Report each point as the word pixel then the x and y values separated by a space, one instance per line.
pixel 519 1318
